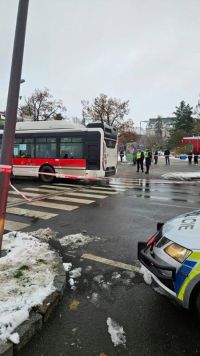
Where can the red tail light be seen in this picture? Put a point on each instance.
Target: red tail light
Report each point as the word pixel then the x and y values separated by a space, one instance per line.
pixel 152 240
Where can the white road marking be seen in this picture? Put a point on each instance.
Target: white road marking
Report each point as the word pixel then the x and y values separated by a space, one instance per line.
pixel 73 200
pixel 106 188
pixel 13 199
pixel 125 186
pixel 57 187
pixel 173 206
pixel 28 194
pixel 50 191
pixel 31 213
pixel 14 225
pixel 106 261
pixel 67 185
pixel 47 204
pixel 87 195
pixel 97 191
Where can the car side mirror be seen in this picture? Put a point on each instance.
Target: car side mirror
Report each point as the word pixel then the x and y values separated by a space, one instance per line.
pixel 159 226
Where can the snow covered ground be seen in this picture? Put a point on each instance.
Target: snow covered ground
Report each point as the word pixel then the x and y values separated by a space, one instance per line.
pixel 182 175
pixel 27 273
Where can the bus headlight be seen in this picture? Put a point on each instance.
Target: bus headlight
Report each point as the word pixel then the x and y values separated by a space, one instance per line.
pixel 177 252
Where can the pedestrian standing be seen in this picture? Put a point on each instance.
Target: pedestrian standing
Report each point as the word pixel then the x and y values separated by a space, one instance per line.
pixel 167 154
pixel 148 157
pixel 190 158
pixel 196 158
pixel 121 153
pixel 155 157
pixel 139 160
pixel 134 158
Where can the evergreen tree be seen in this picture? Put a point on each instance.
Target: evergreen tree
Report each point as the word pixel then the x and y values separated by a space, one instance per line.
pixel 183 118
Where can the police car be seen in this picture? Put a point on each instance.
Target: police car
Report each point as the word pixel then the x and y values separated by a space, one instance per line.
pixel 172 256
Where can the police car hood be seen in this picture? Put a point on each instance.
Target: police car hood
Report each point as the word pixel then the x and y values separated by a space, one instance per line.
pixel 184 230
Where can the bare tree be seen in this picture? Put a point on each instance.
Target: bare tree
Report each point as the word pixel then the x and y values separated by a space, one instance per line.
pixel 41 106
pixel 104 109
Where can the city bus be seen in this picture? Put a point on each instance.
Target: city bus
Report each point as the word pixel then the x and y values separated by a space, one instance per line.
pixel 47 149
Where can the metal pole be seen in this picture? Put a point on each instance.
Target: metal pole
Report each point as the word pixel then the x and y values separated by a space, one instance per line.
pixel 11 110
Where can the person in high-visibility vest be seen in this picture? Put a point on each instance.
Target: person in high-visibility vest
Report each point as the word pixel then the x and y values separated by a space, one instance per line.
pixel 139 160
pixel 148 157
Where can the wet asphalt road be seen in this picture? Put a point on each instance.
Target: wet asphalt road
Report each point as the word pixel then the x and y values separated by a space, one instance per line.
pixel 153 324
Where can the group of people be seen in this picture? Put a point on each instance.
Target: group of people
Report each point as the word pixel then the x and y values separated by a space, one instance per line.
pixel 140 157
pixel 147 156
pixel 144 158
pixel 196 158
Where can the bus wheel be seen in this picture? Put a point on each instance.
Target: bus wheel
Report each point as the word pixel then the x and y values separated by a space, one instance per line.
pixel 47 178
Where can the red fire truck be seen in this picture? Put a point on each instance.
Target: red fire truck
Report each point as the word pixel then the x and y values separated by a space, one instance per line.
pixel 191 144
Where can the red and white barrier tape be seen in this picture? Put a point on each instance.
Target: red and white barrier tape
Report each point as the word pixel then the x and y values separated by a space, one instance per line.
pixel 5 168
pixel 20 193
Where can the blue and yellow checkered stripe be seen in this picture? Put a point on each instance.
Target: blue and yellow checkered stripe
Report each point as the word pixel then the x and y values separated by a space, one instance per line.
pixel 189 270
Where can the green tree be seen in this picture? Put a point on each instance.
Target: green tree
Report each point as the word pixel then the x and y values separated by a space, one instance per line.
pixel 183 118
pixel 41 106
pixel 175 138
pixel 183 125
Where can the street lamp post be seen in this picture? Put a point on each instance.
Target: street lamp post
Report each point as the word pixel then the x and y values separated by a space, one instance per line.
pixel 11 110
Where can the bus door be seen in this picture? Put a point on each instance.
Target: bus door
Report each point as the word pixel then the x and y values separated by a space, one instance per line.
pixel 93 150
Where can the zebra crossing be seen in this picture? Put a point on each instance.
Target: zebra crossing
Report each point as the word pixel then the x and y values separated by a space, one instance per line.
pixel 47 201
pixel 43 201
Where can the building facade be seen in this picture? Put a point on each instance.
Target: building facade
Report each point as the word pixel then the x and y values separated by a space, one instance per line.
pixel 165 125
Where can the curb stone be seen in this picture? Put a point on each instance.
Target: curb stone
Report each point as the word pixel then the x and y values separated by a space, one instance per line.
pixel 39 314
pixel 27 329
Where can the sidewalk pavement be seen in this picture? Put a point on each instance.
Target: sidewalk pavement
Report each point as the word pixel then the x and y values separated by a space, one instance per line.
pixel 128 170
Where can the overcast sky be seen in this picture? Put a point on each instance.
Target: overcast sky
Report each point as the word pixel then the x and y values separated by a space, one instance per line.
pixel 144 51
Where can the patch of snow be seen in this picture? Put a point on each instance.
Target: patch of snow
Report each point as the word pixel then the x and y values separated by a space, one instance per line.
pixel 88 269
pixel 116 275
pixel 116 332
pixel 67 266
pixel 146 275
pixel 75 273
pixel 105 286
pixel 44 234
pixel 26 277
pixel 14 338
pixel 71 282
pixel 182 175
pixel 99 278
pixel 129 274
pixel 77 240
pixel 94 298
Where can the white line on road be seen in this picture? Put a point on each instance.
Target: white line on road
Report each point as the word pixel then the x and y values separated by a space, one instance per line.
pixel 87 195
pixel 14 225
pixel 47 204
pixel 72 200
pixel 106 261
pixel 28 194
pixel 30 213
pixel 99 192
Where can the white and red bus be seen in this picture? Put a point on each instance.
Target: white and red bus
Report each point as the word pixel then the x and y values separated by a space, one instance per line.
pixel 46 148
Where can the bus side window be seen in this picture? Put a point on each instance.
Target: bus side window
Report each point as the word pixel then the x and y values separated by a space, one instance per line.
pixel 64 155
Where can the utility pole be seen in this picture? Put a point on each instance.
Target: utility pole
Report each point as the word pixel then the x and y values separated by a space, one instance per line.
pixel 11 111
